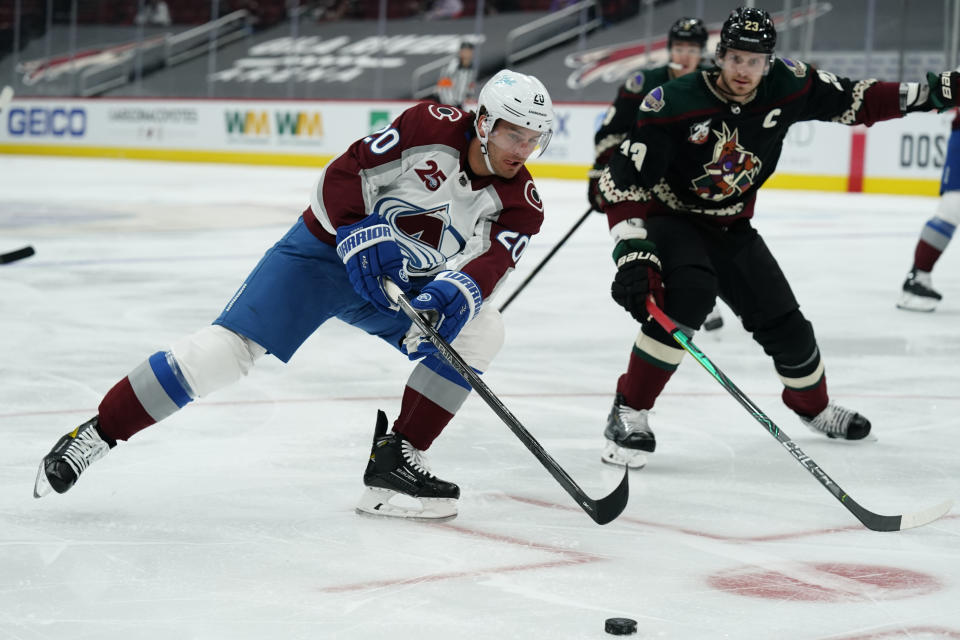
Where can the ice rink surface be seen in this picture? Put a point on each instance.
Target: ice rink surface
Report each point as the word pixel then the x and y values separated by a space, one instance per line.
pixel 235 518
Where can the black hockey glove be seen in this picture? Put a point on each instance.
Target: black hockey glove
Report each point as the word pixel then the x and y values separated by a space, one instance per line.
pixel 638 274
pixel 944 89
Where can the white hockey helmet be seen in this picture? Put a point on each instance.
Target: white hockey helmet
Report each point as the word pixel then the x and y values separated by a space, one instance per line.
pixel 519 99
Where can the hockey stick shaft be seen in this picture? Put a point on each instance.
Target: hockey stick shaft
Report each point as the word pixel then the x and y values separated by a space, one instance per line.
pixel 601 511
pixel 19 254
pixel 871 520
pixel 546 259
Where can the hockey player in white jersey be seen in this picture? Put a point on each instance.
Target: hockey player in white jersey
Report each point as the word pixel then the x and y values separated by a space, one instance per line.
pixel 439 202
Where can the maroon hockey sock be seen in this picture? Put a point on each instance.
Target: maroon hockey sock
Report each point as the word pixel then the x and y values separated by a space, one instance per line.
pixel 807 402
pixel 925 256
pixel 420 420
pixel 121 414
pixel 643 382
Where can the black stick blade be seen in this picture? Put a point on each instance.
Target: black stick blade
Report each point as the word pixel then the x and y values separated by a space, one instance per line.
pixel 877 522
pixel 607 508
pixel 19 254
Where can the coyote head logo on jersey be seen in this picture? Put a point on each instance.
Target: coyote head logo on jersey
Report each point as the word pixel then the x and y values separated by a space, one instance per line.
pixel 426 236
pixel 732 170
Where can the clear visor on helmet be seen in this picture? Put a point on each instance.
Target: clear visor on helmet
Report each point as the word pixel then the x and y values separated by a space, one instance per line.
pixel 518 141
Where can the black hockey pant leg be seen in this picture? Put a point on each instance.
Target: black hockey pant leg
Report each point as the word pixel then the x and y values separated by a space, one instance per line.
pixel 790 341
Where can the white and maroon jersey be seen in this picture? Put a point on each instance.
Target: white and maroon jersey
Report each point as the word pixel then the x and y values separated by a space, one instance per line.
pixel 413 174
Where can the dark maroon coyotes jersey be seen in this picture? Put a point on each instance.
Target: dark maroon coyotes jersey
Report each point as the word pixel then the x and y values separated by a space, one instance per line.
pixel 413 175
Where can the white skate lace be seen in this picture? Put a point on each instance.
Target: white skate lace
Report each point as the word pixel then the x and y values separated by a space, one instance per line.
pixel 85 449
pixel 834 419
pixel 416 458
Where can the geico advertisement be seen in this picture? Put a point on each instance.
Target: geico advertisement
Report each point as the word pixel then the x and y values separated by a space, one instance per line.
pixel 98 123
pixel 38 122
pixel 294 126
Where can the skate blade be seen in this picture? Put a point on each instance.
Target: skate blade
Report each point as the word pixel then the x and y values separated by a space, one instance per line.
pixel 910 302
pixel 384 503
pixel 615 455
pixel 41 486
pixel 870 437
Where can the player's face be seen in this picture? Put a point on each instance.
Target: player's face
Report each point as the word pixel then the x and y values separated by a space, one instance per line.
pixel 509 146
pixel 685 54
pixel 741 72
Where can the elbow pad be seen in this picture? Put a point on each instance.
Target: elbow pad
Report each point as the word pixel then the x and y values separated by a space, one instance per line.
pixel 914 96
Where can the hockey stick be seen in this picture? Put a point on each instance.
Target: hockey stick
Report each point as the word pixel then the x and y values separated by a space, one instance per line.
pixel 870 520
pixel 6 97
pixel 546 259
pixel 19 254
pixel 601 511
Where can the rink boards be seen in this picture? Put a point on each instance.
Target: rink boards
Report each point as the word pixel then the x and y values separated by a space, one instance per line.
pixel 898 156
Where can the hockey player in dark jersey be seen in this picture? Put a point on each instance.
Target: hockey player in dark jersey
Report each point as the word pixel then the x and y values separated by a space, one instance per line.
pixel 679 196
pixel 686 41
pixel 685 44
pixel 439 202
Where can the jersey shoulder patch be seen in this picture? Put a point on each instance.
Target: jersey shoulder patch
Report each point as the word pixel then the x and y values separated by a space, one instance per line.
pixel 654 101
pixel 634 83
pixel 798 68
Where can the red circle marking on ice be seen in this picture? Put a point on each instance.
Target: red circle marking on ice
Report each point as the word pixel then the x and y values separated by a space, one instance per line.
pixel 840 582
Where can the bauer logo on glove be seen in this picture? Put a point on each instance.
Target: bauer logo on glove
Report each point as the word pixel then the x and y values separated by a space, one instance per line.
pixel 643 256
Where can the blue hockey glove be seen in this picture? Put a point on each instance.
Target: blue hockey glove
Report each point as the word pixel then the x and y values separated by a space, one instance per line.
pixel 370 253
pixel 449 301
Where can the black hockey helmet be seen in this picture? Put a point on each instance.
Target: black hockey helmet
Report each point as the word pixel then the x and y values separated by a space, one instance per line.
pixel 748 29
pixel 688 30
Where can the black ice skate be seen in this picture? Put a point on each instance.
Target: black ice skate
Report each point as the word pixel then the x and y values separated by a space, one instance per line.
pixel 628 436
pixel 837 422
pixel 74 452
pixel 399 482
pixel 918 293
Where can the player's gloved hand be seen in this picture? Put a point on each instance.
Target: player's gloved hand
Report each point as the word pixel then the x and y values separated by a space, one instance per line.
pixel 638 274
pixel 944 89
pixel 370 253
pixel 448 302
pixel 593 189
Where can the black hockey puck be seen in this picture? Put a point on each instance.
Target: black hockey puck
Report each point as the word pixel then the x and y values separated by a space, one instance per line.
pixel 620 626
